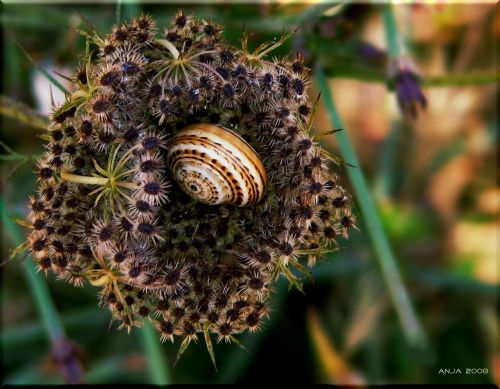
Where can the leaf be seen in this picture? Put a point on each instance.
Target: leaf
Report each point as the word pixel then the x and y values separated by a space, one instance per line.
pixel 22 113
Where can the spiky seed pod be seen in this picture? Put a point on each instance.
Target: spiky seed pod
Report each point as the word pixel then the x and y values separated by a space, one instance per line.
pixel 119 201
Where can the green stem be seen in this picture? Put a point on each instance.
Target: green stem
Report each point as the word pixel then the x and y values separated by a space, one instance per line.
pixel 373 225
pixel 154 353
pixel 13 157
pixel 394 44
pixel 130 9
pixel 30 332
pixel 118 14
pixel 385 176
pixel 39 290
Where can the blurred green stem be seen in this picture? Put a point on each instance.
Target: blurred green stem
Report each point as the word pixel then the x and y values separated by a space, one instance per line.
pixel 37 284
pixel 373 225
pixel 392 38
pixel 384 183
pixel 157 363
pixel 126 9
pixel 30 332
pixel 118 14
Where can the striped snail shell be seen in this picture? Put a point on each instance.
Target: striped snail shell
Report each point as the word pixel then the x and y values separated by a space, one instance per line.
pixel 214 165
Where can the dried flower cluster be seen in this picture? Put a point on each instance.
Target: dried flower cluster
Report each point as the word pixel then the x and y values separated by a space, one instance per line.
pixel 107 210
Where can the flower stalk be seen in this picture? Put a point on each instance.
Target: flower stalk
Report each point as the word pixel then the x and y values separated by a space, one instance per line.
pixel 376 233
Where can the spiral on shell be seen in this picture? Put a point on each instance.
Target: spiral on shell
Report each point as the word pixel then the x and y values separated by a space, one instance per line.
pixel 214 165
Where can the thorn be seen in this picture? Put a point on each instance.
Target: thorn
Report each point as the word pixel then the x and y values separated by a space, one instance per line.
pixel 45 137
pixel 62 75
pixel 184 345
pixel 327 133
pixel 52 102
pixel 335 159
pixel 235 340
pixel 85 20
pixel 10 259
pixel 21 222
pixel 18 250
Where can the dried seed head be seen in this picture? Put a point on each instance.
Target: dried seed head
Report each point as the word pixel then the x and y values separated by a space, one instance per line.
pixel 109 211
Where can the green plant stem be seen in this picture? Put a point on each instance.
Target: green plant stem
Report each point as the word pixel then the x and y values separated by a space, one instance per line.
pixel 39 290
pixel 118 13
pixel 154 353
pixel 394 45
pixel 385 177
pixel 13 157
pixel 130 9
pixel 373 224
pixel 83 318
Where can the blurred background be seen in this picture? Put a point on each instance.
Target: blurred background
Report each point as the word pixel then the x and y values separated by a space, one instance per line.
pixel 430 164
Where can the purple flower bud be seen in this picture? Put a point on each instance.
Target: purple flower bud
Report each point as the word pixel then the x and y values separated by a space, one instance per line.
pixel 68 360
pixel 404 78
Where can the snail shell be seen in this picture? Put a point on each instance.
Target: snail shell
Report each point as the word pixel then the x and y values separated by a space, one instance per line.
pixel 214 165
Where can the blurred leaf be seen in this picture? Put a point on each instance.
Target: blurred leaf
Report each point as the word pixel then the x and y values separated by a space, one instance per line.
pixel 333 364
pixel 364 318
pixel 22 113
pixel 40 68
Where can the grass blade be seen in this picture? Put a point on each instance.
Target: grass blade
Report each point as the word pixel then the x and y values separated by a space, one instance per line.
pixel 373 225
pixel 40 68
pixel 156 359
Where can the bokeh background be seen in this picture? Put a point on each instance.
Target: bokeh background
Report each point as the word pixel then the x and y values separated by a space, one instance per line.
pixel 433 177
